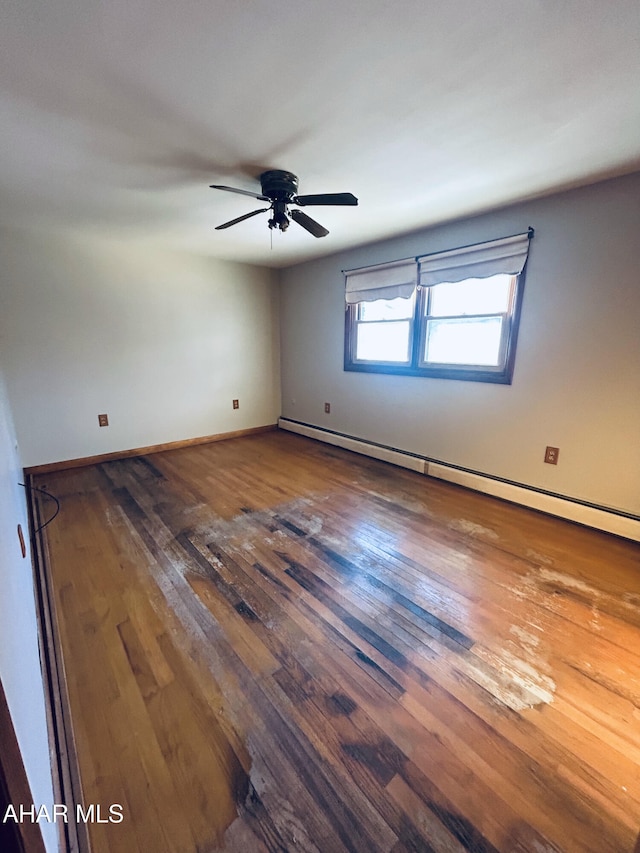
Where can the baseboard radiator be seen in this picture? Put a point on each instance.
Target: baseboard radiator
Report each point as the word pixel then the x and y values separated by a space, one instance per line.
pixel 590 515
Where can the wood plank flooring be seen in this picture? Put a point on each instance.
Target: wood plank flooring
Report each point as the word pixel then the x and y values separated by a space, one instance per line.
pixel 275 645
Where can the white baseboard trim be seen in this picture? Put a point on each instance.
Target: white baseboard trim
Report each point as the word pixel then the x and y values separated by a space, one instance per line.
pixel 591 516
pixel 386 454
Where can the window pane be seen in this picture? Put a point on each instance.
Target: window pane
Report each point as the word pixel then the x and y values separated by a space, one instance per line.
pixel 472 296
pixel 383 341
pixel 386 309
pixel 464 341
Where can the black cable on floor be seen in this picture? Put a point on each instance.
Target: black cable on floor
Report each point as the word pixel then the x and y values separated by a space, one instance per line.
pixel 49 495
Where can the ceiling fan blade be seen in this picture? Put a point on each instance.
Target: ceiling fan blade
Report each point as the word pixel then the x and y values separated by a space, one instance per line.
pixel 242 218
pixel 240 192
pixel 307 222
pixel 326 198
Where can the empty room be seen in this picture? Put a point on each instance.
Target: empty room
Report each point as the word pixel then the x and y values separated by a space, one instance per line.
pixel 320 427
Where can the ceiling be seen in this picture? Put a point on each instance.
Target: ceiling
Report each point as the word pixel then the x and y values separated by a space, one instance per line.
pixel 116 115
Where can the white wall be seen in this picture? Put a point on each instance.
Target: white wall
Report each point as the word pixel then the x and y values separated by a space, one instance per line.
pixel 19 656
pixel 576 383
pixel 160 341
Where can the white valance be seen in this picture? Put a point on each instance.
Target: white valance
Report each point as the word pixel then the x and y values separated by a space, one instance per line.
pixel 506 256
pixel 384 281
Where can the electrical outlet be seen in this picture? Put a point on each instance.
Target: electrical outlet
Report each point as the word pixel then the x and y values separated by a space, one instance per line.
pixel 551 455
pixel 23 547
pixel 103 420
pixel 327 408
pixel 236 404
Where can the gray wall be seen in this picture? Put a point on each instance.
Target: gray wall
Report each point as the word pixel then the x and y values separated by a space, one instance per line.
pixel 576 383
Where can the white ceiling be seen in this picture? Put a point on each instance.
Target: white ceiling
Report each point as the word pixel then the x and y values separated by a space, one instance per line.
pixel 116 115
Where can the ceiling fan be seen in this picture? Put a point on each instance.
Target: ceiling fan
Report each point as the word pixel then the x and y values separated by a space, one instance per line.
pixel 281 188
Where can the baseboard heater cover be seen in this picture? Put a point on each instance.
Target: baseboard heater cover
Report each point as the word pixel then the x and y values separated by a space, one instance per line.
pixel 599 518
pixel 376 451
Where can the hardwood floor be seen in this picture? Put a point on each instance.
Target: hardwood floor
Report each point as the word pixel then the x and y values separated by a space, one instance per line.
pixel 275 645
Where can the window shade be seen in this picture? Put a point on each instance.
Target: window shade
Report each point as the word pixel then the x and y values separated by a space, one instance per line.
pixel 384 281
pixel 506 256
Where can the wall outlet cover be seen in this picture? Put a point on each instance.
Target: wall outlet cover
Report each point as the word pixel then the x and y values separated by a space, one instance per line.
pixel 551 455
pixel 23 546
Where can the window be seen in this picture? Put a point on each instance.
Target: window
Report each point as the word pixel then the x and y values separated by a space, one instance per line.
pixel 383 330
pixel 451 314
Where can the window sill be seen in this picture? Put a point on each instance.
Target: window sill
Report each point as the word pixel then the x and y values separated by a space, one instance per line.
pixel 499 377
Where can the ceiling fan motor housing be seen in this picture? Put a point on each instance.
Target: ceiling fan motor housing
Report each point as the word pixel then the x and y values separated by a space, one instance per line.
pixel 278 185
